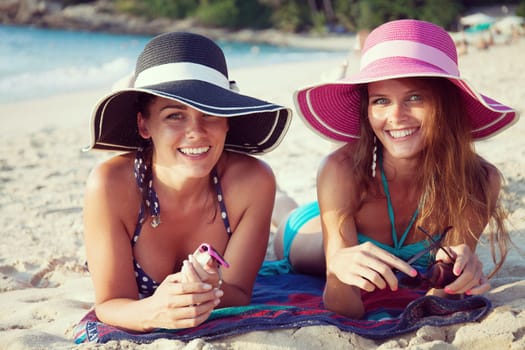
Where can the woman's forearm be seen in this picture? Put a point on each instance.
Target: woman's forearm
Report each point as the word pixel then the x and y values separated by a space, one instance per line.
pixel 342 298
pixel 234 296
pixel 126 313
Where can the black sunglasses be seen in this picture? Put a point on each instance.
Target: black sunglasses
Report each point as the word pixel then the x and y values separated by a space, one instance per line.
pixel 438 275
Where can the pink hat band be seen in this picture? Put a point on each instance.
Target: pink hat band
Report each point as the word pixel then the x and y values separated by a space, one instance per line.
pixel 397 49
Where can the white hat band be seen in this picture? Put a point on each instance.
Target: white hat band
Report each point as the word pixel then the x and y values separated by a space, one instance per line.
pixel 410 49
pixel 181 71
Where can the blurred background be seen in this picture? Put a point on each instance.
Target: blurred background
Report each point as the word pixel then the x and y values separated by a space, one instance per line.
pixel 54 46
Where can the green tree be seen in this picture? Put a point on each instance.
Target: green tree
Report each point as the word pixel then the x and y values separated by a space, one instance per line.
pixel 520 10
pixel 234 14
pixel 368 14
pixel 218 13
pixel 253 14
pixel 346 13
pixel 299 15
pixel 157 8
pixel 290 15
pixel 441 12
pixel 75 2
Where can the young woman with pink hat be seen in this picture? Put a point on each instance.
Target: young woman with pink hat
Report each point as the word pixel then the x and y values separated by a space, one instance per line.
pixel 185 186
pixel 408 122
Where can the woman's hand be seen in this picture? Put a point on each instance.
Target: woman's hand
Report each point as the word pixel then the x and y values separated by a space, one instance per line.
pixel 368 267
pixel 179 304
pixel 468 268
pixel 193 271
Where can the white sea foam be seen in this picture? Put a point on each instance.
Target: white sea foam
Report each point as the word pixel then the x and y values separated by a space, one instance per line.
pixel 63 79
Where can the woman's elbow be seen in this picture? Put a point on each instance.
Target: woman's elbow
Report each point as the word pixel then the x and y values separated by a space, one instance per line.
pixel 237 298
pixel 351 309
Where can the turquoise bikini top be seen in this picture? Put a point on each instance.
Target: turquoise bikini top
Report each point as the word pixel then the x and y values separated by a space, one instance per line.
pixel 306 212
pixel 404 252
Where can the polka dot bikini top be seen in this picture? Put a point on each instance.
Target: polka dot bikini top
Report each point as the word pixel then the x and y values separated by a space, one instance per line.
pixel 146 284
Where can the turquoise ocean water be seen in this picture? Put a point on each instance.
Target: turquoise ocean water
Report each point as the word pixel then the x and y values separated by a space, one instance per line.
pixel 43 62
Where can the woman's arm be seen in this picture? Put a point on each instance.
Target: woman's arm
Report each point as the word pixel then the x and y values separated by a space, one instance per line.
pixel 350 266
pixel 249 189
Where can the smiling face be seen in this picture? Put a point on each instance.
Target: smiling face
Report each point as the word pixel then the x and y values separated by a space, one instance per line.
pixel 183 137
pixel 397 110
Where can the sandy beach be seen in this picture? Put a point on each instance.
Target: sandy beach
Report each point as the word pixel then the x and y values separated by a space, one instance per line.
pixel 44 290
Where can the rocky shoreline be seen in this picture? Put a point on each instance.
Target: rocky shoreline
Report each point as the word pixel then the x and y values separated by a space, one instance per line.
pixel 101 16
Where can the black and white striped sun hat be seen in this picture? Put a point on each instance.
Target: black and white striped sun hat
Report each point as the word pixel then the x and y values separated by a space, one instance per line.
pixel 190 69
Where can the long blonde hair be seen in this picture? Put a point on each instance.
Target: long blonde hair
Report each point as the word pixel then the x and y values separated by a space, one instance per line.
pixel 454 179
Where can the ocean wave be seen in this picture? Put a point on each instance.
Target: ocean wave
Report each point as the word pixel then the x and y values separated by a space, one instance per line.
pixel 28 85
pixel 37 62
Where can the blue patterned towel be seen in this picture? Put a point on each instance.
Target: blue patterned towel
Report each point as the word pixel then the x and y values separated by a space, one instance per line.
pixel 295 300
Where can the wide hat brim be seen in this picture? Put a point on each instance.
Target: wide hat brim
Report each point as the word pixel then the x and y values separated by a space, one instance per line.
pixel 332 110
pixel 255 126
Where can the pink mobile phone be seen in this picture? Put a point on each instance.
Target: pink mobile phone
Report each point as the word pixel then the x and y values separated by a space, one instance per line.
pixel 205 252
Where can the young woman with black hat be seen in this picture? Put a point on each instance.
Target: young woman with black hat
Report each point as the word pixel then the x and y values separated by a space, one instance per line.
pixel 185 177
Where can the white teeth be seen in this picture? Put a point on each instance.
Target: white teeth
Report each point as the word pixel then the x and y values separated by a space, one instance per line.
pixel 195 151
pixel 401 133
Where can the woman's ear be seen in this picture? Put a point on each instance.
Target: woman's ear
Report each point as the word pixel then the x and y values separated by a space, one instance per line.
pixel 142 126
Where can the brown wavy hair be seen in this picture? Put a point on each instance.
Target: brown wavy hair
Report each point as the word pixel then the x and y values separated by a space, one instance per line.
pixel 454 179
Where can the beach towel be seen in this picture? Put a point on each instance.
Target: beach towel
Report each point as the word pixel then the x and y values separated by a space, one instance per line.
pixel 294 300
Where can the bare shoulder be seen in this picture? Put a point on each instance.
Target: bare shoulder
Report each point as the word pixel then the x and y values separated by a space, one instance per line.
pixel 247 179
pixel 336 181
pixel 111 173
pixel 111 196
pixel 338 166
pixel 494 177
pixel 245 170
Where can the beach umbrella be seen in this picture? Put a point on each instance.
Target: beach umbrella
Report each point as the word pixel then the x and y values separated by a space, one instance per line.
pixel 476 22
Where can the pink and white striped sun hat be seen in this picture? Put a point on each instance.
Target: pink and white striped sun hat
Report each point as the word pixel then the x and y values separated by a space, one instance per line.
pixel 397 49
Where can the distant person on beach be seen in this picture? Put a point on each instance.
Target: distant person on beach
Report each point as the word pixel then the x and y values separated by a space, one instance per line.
pixel 185 177
pixel 407 121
